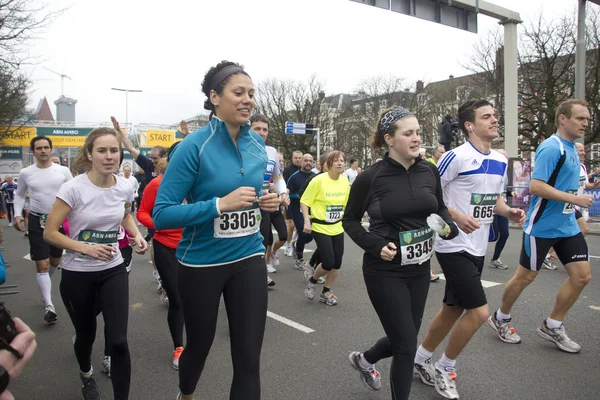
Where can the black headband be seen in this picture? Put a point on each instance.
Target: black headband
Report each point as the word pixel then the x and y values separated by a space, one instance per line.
pixel 389 118
pixel 224 74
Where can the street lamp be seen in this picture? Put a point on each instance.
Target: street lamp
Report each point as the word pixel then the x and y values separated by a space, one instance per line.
pixel 126 100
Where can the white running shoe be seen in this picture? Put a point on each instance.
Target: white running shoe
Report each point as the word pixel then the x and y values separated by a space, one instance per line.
pixel 310 289
pixel 559 337
pixel 270 269
pixel 498 264
pixel 106 365
pixel 445 381
pixel 424 372
pixel 289 251
pixel 156 275
pixel 270 282
pixel 275 259
pixel 50 314
pixel 164 299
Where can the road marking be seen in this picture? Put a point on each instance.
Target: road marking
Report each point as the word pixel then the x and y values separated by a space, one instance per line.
pixel 595 308
pixel 27 256
pixel 289 322
pixel 594 257
pixel 485 284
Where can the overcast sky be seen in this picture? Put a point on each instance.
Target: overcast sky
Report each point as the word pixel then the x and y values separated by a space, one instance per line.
pixel 165 48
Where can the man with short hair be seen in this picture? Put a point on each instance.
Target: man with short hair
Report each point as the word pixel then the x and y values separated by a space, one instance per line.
pixel 551 223
pixel 351 173
pixel 42 180
pixel 287 172
pixel 472 179
pixel 9 187
pixel 437 154
pixel 134 184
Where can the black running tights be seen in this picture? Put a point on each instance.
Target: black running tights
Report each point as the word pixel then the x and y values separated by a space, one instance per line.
pixel 79 291
pixel 399 303
pixel 244 288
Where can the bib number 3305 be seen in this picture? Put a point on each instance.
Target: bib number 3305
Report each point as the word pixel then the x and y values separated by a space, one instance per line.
pixel 482 207
pixel 239 223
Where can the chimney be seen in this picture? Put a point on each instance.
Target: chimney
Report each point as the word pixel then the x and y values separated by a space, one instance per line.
pixel 420 86
pixel 451 77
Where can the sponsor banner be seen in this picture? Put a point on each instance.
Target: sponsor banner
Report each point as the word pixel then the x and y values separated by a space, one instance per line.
pixel 164 138
pixel 18 136
pixel 63 132
pixel 14 153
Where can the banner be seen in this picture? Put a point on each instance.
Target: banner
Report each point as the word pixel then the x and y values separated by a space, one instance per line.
pixel 18 136
pixel 144 151
pixel 162 138
pixel 65 137
pixel 14 153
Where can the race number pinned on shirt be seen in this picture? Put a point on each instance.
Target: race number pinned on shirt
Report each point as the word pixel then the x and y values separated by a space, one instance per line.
pixel 267 178
pixel 43 219
pixel 109 238
pixel 416 246
pixel 569 208
pixel 334 214
pixel 482 207
pixel 238 223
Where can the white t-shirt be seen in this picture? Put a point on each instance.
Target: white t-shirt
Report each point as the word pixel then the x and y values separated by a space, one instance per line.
pixel 95 217
pixel 351 174
pixel 43 184
pixel 472 182
pixel 134 183
pixel 583 181
pixel 277 176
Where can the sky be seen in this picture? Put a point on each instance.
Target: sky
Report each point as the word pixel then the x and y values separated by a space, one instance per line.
pixel 165 48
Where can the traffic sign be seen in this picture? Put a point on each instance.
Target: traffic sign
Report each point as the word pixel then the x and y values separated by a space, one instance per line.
pixel 299 128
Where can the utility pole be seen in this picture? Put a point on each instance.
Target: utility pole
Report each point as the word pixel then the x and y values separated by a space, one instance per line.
pixel 127 100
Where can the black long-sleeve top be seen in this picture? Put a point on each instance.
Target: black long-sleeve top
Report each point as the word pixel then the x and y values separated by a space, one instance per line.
pixel 397 200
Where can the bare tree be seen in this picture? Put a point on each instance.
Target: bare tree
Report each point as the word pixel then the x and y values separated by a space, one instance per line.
pixel 593 74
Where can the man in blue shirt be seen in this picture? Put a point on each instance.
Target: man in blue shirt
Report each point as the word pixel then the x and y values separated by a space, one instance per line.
pixel 294 184
pixel 551 223
pixel 9 188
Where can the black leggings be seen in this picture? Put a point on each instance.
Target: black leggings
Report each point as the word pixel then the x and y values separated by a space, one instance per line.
pixel 399 303
pixel 502 224
pixel 167 266
pixel 331 250
pixel 278 223
pixel 80 292
pixel 10 212
pixel 303 238
pixel 244 288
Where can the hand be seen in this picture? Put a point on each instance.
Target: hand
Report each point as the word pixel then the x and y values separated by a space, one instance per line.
pixel 284 199
pixel 307 226
pixel 583 200
pixel 271 187
pixel 240 198
pixel 466 223
pixel 388 252
pixel 141 243
pixel 18 222
pixel 269 202
pixel 183 128
pixel 25 344
pixel 517 215
pixel 100 252
pixel 116 126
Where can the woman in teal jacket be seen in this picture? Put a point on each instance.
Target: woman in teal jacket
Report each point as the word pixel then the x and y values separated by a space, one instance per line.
pixel 219 171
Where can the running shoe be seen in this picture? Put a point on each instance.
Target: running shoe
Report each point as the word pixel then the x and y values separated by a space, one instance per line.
pixel 179 396
pixel 270 269
pixel 321 280
pixel 156 275
pixel 275 259
pixel 369 376
pixel 300 264
pixel 309 271
pixel 50 314
pixel 288 250
pixel 433 277
pixel 559 337
pixel 310 289
pixel 328 298
pixel 504 329
pixel 549 265
pixel 498 264
pixel 445 381
pixel 89 387
pixel 424 372
pixel 106 365
pixel 270 282
pixel 176 354
pixel 164 298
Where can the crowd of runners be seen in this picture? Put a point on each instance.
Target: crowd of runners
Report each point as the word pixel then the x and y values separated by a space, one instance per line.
pixel 212 202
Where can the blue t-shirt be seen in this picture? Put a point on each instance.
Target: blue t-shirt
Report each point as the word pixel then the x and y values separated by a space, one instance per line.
pixel 549 218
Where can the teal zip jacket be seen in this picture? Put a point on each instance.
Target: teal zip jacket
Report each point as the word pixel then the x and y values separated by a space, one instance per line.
pixel 207 165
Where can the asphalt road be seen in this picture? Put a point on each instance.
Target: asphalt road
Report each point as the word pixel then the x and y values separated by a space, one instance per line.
pixel 300 365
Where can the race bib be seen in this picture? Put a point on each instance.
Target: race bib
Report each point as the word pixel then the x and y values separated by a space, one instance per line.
pixel 482 207
pixel 569 208
pixel 334 214
pixel 416 246
pixel 239 223
pixel 267 177
pixel 582 181
pixel 43 219
pixel 90 236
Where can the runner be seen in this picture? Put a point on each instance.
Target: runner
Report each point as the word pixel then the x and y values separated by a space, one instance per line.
pixel 93 269
pixel 351 173
pixel 437 154
pixel 326 195
pixel 220 172
pixel 400 212
pixel 295 183
pixel 9 187
pixel 472 177
pixel 165 245
pixel 582 214
pixel 499 228
pixel 260 125
pixel 292 235
pixel 134 183
pixel 42 181
pixel 551 223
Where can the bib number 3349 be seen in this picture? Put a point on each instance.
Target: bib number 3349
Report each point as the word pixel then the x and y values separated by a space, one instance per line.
pixel 482 207
pixel 416 246
pixel 233 224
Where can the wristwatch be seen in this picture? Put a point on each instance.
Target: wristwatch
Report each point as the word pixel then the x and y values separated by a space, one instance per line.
pixel 3 379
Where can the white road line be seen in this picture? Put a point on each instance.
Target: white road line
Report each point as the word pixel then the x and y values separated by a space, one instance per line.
pixel 27 256
pixel 485 284
pixel 594 257
pixel 289 322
